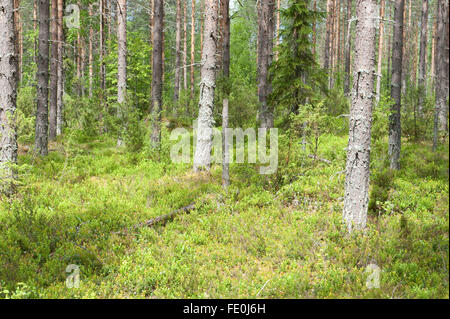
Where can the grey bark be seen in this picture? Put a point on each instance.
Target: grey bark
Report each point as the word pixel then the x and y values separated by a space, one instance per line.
pixel 348 43
pixel 176 93
pixel 202 156
pixel 442 77
pixel 380 51
pixel 53 71
pixel 265 52
pixel 423 56
pixel 326 47
pixel 192 49
pixel 395 129
pixel 358 154
pixel 226 38
pixel 225 146
pixel 8 91
pixel 157 80
pixel 91 54
pixel 60 69
pixel 41 138
pixel 122 60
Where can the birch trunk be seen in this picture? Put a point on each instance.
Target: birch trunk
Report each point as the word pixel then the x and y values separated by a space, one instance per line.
pixel 8 93
pixel 202 156
pixel 358 154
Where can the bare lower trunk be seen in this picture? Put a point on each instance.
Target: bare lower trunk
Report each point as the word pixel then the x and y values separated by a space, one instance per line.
pixel 442 78
pixel 42 79
pixel 347 48
pixel 423 56
pixel 91 55
pixel 226 38
pixel 192 49
pixel 176 93
pixel 8 93
pixel 265 51
pixel 53 71
pixel 202 156
pixel 225 146
pixel 122 60
pixel 395 130
pixel 358 154
pixel 380 51
pixel 185 82
pixel 60 69
pixel 157 80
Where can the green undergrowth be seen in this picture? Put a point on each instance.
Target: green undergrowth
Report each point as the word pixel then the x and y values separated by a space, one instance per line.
pixel 274 236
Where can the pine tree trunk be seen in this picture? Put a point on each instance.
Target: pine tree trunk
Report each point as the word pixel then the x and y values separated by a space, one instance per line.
pixel 18 38
pixel 8 93
pixel 314 29
pixel 422 84
pixel 91 54
pixel 348 43
pixel 225 146
pixel 157 79
pixel 442 66
pixel 326 48
pixel 176 93
pixel 395 130
pixel 202 156
pixel 358 154
pixel 121 61
pixel 185 66
pixel 192 49
pixel 226 38
pixel 53 71
pixel 102 50
pixel 380 52
pixel 42 75
pixel 265 51
pixel 60 69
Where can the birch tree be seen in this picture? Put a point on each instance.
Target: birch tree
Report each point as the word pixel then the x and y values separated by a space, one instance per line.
pixel 358 153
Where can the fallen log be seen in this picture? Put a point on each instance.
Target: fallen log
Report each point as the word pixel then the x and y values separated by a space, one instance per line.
pixel 324 160
pixel 161 219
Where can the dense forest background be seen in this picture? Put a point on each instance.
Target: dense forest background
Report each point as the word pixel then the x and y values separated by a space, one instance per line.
pixel 357 89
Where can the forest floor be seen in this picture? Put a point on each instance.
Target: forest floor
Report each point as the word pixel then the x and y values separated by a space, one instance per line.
pixel 261 238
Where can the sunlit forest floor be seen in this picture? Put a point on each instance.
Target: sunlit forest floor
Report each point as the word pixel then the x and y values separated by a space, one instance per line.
pixel 274 236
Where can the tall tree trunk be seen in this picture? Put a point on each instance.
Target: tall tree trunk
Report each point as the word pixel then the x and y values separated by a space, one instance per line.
pixel 265 50
pixel 380 51
pixel 53 71
pixel 405 58
pixel 150 28
pixel 442 78
pixel 338 34
pixel 176 93
pixel 423 55
pixel 121 61
pixel 202 6
pixel 202 156
pixel 278 28
pixel 41 137
pixel 185 66
pixel 60 69
pixel 314 29
pixel 157 79
pixel 358 154
pixel 226 38
pixel 395 129
pixel 326 49
pixel 225 146
pixel 18 38
pixel 91 55
pixel 192 49
pixel 433 52
pixel 8 93
pixel 102 50
pixel 348 44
